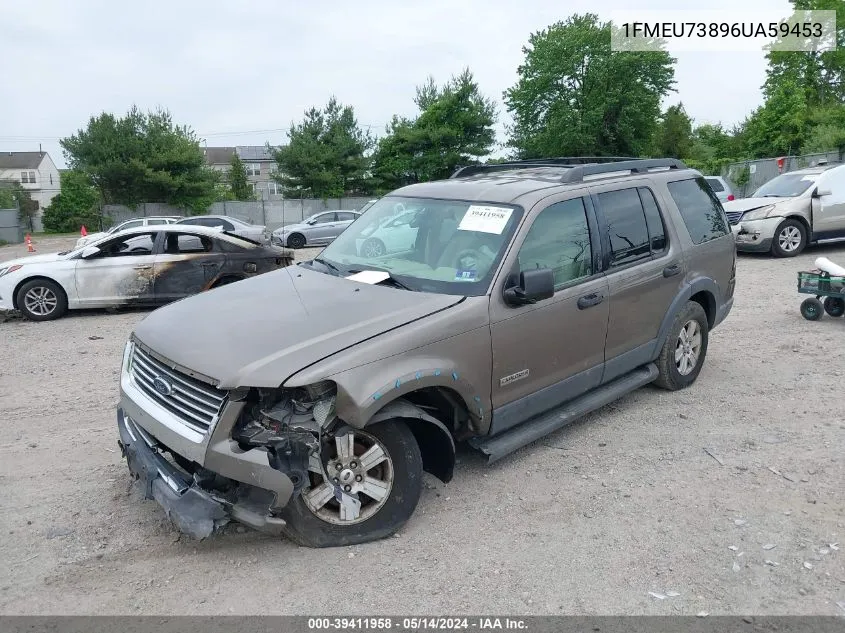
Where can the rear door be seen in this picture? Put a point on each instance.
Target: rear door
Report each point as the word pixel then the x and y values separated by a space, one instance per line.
pixel 121 273
pixel 187 264
pixel 644 272
pixel 829 205
pixel 551 351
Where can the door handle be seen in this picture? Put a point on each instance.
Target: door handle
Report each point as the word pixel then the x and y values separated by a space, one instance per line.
pixel 588 301
pixel 672 270
pixel 143 267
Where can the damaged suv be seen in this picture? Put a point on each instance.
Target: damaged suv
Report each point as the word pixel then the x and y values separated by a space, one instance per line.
pixel 310 400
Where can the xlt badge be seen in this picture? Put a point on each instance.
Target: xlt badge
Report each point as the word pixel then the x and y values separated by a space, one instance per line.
pixel 513 378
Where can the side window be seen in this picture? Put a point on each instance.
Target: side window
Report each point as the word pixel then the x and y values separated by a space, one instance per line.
pixel 179 244
pixel 156 221
pixel 346 216
pixel 138 244
pixel 128 225
pixel 654 221
pixel 715 184
pixel 559 239
pixel 326 218
pixel 626 226
pixel 191 221
pixel 700 208
pixel 227 226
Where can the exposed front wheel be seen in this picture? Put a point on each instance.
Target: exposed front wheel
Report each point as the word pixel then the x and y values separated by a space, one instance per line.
pixel 790 239
pixel 41 300
pixel 373 486
pixel 834 306
pixel 297 240
pixel 683 353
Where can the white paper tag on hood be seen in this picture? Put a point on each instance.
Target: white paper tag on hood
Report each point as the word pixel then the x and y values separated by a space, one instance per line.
pixel 370 276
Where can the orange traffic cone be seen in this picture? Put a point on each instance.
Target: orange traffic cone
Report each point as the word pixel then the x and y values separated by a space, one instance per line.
pixel 29 247
pixel 84 232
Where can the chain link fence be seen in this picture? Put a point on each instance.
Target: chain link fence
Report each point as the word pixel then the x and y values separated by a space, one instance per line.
pixel 270 213
pixel 748 176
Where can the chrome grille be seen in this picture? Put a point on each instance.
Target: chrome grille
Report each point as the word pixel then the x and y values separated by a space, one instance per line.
pixel 734 216
pixel 194 402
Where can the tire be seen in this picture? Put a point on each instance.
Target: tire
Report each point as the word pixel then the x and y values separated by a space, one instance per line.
pixel 812 309
pixel 685 349
pixel 404 466
pixel 373 247
pixel 834 306
pixel 790 239
pixel 41 300
pixel 296 240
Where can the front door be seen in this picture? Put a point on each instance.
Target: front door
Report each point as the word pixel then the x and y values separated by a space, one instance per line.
pixel 324 230
pixel 552 351
pixel 121 273
pixel 829 205
pixel 186 265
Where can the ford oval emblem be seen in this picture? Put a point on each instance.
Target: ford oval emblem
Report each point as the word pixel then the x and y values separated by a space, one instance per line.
pixel 162 386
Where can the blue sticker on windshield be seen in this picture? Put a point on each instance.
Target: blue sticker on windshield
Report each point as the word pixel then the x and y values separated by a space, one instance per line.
pixel 465 275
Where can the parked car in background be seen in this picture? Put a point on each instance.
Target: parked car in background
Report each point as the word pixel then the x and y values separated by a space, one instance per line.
pixel 147 265
pixel 316 230
pixel 533 294
pixel 256 232
pixel 791 211
pixel 388 235
pixel 129 224
pixel 721 187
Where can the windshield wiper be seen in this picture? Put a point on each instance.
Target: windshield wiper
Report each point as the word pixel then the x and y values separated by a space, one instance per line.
pixel 327 264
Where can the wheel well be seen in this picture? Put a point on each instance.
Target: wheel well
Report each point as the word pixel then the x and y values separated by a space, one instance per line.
pixel 707 301
pixel 33 278
pixel 802 220
pixel 442 403
pixel 225 279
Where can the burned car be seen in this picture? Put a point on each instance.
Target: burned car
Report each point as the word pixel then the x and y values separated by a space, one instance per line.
pixel 531 294
pixel 139 266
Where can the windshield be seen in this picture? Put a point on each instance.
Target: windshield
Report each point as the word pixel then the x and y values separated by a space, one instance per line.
pixel 445 246
pixel 786 186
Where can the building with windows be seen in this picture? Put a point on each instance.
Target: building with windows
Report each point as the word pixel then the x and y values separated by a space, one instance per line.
pixel 36 172
pixel 258 161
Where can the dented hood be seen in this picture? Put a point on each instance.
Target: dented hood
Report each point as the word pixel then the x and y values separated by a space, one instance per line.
pixel 260 331
pixel 747 204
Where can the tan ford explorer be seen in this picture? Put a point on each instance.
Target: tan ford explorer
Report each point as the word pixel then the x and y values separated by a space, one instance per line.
pixel 517 298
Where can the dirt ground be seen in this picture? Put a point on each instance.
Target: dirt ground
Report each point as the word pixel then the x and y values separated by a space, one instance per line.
pixel 622 513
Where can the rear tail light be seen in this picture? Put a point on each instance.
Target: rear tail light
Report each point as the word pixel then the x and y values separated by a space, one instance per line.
pixel 731 197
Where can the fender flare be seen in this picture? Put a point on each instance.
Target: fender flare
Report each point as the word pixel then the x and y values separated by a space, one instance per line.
pixel 436 443
pixel 694 287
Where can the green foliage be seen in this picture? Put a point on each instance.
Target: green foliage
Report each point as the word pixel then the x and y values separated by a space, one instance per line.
pixel 238 182
pixel 14 195
pixel 742 176
pixel 142 157
pixel 576 97
pixel 326 154
pixel 674 134
pixel 826 130
pixel 454 128
pixel 74 206
pixel 778 127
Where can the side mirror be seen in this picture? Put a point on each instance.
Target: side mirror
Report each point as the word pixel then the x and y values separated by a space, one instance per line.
pixel 818 193
pixel 534 285
pixel 90 251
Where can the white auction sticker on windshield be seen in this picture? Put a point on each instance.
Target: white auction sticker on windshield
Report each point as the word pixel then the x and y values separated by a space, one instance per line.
pixel 485 219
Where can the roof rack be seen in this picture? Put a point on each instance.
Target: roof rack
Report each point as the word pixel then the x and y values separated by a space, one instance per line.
pixel 578 166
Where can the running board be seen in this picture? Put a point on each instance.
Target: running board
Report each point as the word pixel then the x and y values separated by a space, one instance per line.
pixel 500 445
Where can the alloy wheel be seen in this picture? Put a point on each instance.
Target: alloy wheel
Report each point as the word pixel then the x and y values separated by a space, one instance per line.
pixel 789 239
pixel 40 300
pixel 688 347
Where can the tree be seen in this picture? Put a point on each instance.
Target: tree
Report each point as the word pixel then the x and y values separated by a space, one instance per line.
pixel 12 196
pixel 142 157
pixel 826 130
pixel 575 96
pixel 237 180
pixel 454 128
pixel 674 134
pixel 326 154
pixel 778 127
pixel 74 206
pixel 818 75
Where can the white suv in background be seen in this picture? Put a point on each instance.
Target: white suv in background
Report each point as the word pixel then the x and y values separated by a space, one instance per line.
pixel 721 188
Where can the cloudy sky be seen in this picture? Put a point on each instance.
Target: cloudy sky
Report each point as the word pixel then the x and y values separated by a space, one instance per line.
pixel 240 72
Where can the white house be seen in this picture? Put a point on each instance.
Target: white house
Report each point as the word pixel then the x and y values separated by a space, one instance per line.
pixel 36 172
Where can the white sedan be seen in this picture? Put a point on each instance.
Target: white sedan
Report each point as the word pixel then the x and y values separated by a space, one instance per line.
pixel 129 224
pixel 140 266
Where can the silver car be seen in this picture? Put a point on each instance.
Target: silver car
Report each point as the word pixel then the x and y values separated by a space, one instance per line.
pixel 255 232
pixel 318 229
pixel 721 187
pixel 129 224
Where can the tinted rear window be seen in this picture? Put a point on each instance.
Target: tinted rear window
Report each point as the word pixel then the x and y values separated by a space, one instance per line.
pixel 626 226
pixel 700 208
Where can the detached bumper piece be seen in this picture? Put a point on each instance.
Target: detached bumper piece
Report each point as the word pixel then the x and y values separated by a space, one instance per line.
pixel 193 510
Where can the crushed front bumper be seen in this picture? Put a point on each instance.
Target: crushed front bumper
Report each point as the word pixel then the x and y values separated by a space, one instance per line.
pixel 755 236
pixel 193 509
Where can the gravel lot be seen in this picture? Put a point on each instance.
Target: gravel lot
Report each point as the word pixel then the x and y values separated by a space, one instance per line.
pixel 587 521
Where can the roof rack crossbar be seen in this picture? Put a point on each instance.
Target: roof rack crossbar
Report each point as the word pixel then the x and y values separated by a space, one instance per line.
pixel 577 166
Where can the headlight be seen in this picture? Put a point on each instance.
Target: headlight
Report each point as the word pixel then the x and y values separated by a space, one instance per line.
pixel 758 214
pixel 10 269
